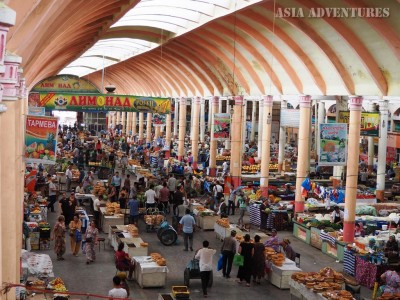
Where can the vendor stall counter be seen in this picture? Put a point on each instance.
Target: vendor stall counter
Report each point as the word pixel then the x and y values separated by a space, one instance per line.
pixel 148 273
pixel 280 275
pixel 222 232
pixel 300 291
pixel 107 221
pixel 205 219
pixel 302 232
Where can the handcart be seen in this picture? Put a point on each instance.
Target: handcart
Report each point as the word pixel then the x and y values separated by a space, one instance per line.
pixel 192 271
pixel 167 234
pixel 153 218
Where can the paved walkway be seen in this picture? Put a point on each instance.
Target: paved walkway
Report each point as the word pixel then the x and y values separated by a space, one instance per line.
pixel 97 278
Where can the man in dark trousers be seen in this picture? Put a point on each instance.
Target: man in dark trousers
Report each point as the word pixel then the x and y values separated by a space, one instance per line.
pixel 228 251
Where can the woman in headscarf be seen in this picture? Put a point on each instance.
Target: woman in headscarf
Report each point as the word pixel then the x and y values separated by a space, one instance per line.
pixel 289 252
pixel 258 260
pixel 59 238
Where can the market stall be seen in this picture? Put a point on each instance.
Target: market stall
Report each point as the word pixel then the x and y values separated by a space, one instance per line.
pixel 222 228
pixel 280 275
pixel 205 218
pixel 279 216
pixel 129 236
pixel 109 219
pixel 326 284
pixel 150 271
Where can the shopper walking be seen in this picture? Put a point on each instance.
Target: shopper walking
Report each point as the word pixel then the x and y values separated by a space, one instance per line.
pixel 133 205
pixel 75 234
pixel 231 201
pixel 59 238
pixel 258 260
pixel 91 240
pixel 150 196
pixel 117 180
pixel 187 226
pixel 205 257
pixel 242 208
pixel 68 175
pixel 246 249
pixel 52 193
pixel 172 187
pixel 228 251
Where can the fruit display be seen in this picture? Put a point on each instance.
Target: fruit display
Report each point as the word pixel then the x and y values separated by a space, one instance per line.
pixel 224 222
pixel 60 288
pixel 133 230
pixel 133 162
pixel 38 283
pixel 99 190
pixel 56 281
pixel 35 210
pixel 112 208
pixel 251 169
pixel 326 280
pixel 153 219
pixel 40 151
pixel 157 257
pixel 223 157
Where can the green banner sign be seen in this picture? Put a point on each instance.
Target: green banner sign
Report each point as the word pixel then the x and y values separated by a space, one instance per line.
pixel 99 102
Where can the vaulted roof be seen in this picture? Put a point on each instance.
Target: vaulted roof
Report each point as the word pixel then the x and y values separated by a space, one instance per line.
pixel 215 47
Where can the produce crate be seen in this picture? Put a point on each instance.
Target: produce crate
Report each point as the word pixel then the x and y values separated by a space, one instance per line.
pixel 180 291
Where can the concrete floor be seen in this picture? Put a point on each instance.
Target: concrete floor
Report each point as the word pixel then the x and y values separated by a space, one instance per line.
pixel 97 278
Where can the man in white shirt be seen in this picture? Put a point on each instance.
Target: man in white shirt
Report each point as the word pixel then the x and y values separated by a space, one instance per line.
pixel 172 187
pixel 117 291
pixel 68 175
pixel 96 209
pixel 52 193
pixel 205 257
pixel 150 196
pixel 157 189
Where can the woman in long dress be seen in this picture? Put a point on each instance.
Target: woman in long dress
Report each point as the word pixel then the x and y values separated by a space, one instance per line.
pixel 91 240
pixel 246 249
pixel 59 238
pixel 258 260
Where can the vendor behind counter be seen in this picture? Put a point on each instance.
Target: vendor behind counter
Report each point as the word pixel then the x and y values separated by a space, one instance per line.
pixel 337 216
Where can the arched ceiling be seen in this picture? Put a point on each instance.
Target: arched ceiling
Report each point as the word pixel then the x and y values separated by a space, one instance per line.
pixel 208 51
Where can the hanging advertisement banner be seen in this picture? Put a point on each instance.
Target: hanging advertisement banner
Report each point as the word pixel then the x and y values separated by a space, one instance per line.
pixel 40 139
pixel 100 102
pixel 159 120
pixel 222 126
pixel 333 144
pixel 369 122
pixel 36 111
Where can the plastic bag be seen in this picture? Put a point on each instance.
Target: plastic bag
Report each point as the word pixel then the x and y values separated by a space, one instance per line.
pixel 219 264
pixel 238 260
pixel 78 236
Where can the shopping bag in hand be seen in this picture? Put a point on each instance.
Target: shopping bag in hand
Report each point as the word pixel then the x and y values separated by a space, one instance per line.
pixel 238 260
pixel 219 264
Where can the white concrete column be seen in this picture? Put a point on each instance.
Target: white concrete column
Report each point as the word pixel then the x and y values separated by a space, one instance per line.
pixel 210 109
pixel 191 118
pixel 213 142
pixel 168 129
pixel 202 120
pixel 352 169
pixel 176 118
pixel 253 121
pixel 182 128
pixel 371 152
pixel 195 130
pixel 128 123
pixel 141 126
pixel 118 117
pixel 149 127
pixel 303 149
pixel 134 123
pixel 220 106
pixel 282 141
pixel 266 140
pixel 244 126
pixel 260 121
pixel 382 149
pixel 237 136
pixel 123 121
pixel 321 120
pixel 114 120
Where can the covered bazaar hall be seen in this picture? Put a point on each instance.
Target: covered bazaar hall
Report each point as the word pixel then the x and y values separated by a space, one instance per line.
pixel 266 130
